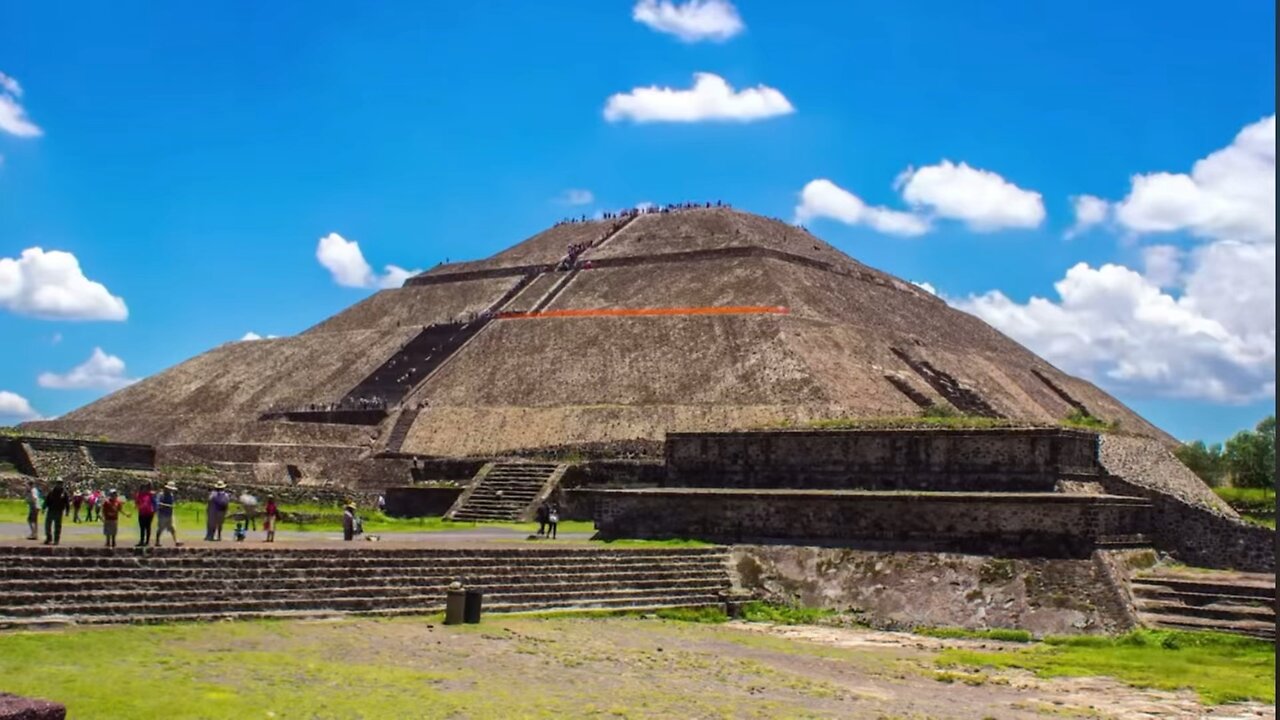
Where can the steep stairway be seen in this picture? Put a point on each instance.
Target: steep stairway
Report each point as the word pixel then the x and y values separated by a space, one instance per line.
pixel 400 430
pixel 40 585
pixel 506 491
pixel 1230 602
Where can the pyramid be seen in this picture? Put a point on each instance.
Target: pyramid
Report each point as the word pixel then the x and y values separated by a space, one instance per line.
pixel 600 335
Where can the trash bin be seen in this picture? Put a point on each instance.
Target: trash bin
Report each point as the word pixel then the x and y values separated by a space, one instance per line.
pixel 472 613
pixel 455 604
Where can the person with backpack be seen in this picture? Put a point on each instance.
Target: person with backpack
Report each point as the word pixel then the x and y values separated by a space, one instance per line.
pixel 166 501
pixel 145 502
pixel 34 501
pixel 56 504
pixel 219 501
pixel 111 509
pixel 541 514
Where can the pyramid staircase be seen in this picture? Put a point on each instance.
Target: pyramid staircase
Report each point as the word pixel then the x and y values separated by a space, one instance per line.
pixel 1223 601
pixel 42 585
pixel 507 491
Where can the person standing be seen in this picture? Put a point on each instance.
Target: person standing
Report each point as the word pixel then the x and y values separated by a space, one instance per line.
pixel 270 519
pixel 111 509
pixel 33 510
pixel 219 501
pixel 55 506
pixel 77 501
pixel 349 520
pixel 145 502
pixel 249 507
pixel 543 511
pixel 165 503
pixel 553 520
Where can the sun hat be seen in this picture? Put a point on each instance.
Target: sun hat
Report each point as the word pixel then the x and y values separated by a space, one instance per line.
pixel 170 485
pixel 113 491
pixel 220 485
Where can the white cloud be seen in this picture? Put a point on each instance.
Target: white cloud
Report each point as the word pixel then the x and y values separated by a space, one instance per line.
pixel 926 286
pixel 710 98
pixel 345 262
pixel 51 285
pixel 577 196
pixel 1162 264
pixel 823 198
pixel 1231 194
pixel 14 406
pixel 691 21
pixel 1215 340
pixel 13 117
pixel 251 336
pixel 100 372
pixel 1090 211
pixel 981 199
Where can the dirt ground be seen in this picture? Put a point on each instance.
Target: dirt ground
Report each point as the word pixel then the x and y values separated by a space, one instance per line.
pixel 547 667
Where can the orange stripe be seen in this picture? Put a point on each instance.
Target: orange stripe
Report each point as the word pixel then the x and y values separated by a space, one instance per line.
pixel 649 312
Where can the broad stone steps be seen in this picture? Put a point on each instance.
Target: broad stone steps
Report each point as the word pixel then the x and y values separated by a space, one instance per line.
pixel 506 491
pixel 1241 603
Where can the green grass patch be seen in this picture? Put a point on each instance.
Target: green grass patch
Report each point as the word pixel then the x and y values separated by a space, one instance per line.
pixel 710 614
pixel 1002 634
pixel 1220 668
pixel 1085 421
pixel 1255 505
pixel 757 611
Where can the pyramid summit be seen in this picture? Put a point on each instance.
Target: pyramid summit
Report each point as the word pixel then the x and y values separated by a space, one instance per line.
pixel 596 335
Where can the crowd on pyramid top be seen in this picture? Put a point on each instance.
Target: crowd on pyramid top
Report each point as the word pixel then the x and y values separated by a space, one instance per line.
pixel 644 210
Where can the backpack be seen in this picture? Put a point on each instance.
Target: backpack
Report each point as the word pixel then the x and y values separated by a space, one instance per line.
pixel 221 501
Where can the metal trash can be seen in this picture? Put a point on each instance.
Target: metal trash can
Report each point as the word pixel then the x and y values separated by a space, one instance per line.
pixel 455 604
pixel 472 611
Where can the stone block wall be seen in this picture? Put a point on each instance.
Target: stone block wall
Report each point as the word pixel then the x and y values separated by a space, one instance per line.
pixel 1002 460
pixel 1045 525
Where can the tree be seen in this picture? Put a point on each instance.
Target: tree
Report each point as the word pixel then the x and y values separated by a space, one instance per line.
pixel 1250 455
pixel 1206 461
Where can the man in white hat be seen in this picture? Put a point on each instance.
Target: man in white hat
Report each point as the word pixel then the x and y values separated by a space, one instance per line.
pixel 165 502
pixel 219 501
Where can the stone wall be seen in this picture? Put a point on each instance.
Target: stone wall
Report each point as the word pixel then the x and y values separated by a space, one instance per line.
pixel 414 502
pixel 1032 524
pixel 1010 460
pixel 901 590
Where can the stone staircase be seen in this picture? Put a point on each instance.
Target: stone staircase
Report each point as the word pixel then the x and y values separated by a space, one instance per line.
pixel 507 491
pixel 1231 602
pixel 41 585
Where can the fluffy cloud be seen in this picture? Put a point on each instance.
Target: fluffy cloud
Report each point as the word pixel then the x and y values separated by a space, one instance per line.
pixel 1090 211
pixel 13 117
pixel 577 196
pixel 51 285
pixel 15 407
pixel 695 20
pixel 1214 341
pixel 100 372
pixel 823 198
pixel 980 198
pixel 710 98
pixel 344 261
pixel 251 336
pixel 1162 264
pixel 1231 194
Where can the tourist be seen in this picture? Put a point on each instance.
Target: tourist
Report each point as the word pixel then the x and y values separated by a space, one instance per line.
pixel 111 510
pixel 56 504
pixel 382 504
pixel 77 500
pixel 239 532
pixel 349 520
pixel 145 501
pixel 270 519
pixel 249 508
pixel 219 501
pixel 541 514
pixel 166 501
pixel 553 520
pixel 33 510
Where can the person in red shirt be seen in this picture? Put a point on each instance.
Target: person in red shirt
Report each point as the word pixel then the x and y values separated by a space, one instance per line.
pixel 145 501
pixel 272 513
pixel 111 510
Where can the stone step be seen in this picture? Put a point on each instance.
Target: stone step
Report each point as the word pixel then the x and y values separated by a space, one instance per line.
pixel 637 604
pixel 1209 586
pixel 26 604
pixel 1223 611
pixel 209 606
pixel 229 554
pixel 1161 592
pixel 1252 628
pixel 28 553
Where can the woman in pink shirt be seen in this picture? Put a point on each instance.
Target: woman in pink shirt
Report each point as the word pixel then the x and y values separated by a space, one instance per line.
pixel 272 513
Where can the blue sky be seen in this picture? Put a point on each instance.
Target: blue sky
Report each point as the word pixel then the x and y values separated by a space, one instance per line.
pixel 191 156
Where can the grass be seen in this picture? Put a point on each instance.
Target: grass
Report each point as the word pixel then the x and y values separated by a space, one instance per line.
pixel 1256 505
pixel 946 416
pixel 756 611
pixel 1003 634
pixel 190 516
pixel 1219 668
pixel 1085 421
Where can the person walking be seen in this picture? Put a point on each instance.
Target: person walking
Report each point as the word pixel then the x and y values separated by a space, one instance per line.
pixel 166 501
pixel 541 514
pixel 112 507
pixel 271 518
pixel 77 501
pixel 249 508
pixel 55 506
pixel 553 520
pixel 219 501
pixel 34 501
pixel 145 502
pixel 349 520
